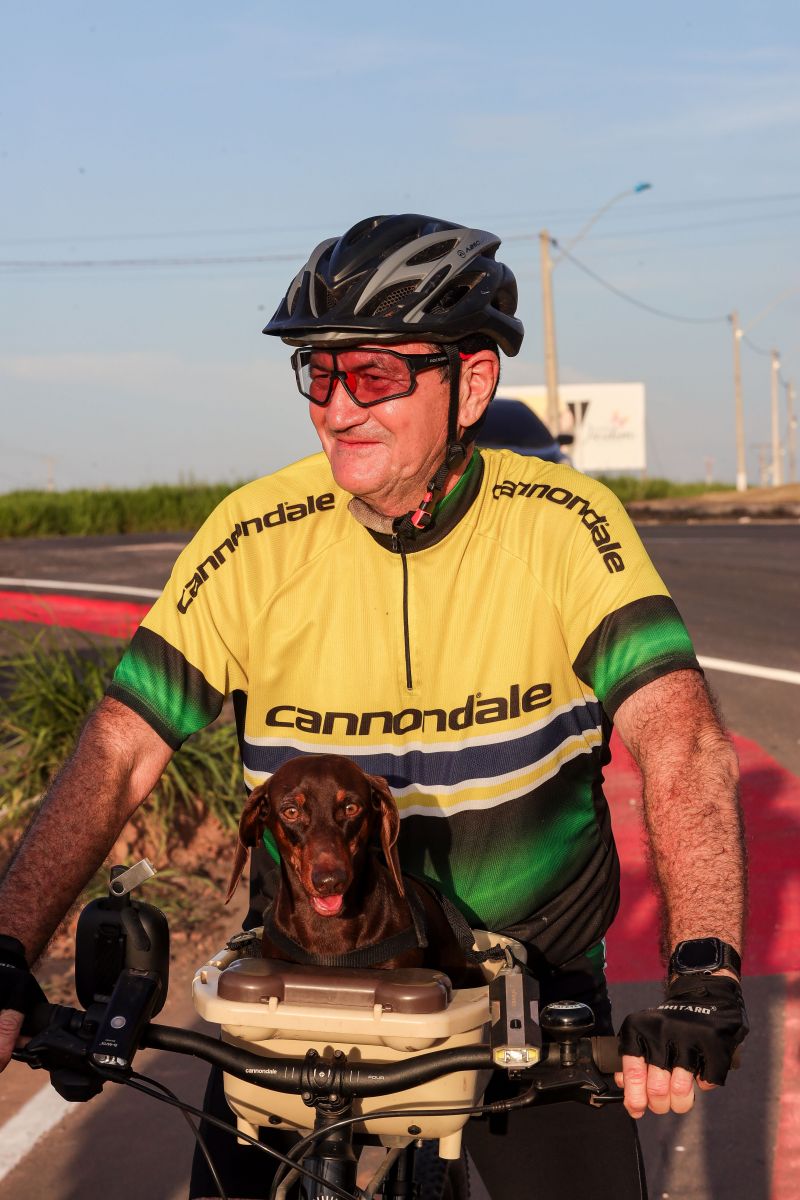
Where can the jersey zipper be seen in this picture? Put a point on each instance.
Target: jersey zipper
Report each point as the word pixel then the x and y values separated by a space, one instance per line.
pixel 398 548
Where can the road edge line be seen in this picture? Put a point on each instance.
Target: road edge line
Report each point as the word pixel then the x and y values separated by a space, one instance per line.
pixel 37 1117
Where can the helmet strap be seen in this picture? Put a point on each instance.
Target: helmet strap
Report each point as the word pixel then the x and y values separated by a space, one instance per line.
pixel 421 518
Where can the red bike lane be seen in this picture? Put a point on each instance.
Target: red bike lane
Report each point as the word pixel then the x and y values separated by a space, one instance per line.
pixel 771 802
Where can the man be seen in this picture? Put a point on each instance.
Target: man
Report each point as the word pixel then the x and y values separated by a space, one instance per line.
pixel 466 625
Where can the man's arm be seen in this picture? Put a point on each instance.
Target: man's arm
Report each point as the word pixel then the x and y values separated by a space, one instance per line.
pixel 694 824
pixel 116 764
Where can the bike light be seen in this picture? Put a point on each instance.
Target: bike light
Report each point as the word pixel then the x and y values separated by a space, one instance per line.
pixel 516 1056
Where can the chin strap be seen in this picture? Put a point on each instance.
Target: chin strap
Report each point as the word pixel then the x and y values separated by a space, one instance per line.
pixel 421 518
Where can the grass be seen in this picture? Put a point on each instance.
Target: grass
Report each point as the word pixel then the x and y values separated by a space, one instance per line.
pixel 629 488
pixel 160 508
pixel 47 692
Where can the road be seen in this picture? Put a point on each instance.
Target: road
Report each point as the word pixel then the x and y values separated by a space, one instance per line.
pixel 738 588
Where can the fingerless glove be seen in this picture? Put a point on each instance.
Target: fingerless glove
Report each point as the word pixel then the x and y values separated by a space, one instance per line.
pixel 698 1026
pixel 18 988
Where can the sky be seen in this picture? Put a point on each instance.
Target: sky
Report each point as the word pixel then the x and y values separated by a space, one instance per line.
pixel 165 169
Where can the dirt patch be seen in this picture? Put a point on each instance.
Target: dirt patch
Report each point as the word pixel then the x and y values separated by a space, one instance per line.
pixel 756 504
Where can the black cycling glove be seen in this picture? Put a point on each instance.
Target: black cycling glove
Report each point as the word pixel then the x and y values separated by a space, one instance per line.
pixel 698 1026
pixel 18 988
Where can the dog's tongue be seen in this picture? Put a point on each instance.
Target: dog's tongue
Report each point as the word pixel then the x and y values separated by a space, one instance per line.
pixel 327 906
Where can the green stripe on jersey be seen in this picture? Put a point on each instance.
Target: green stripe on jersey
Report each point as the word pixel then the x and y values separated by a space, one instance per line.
pixel 156 681
pixel 631 644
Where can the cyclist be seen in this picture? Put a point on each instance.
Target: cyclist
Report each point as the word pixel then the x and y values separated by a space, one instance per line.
pixel 468 625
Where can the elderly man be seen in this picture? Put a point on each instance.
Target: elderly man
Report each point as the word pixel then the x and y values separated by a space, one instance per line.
pixel 468 625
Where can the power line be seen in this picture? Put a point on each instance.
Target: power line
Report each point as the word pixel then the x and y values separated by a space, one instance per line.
pixel 756 349
pixel 658 312
pixel 35 264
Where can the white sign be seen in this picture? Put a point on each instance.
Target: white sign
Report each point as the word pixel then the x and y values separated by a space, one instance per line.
pixel 607 421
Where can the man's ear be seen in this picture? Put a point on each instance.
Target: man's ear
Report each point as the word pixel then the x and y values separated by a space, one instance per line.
pixel 479 375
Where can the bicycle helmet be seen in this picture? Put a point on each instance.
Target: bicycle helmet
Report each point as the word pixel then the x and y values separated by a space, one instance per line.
pixel 407 278
pixel 402 278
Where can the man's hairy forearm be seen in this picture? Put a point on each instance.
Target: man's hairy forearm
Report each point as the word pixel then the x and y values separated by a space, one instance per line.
pixel 691 809
pixel 73 830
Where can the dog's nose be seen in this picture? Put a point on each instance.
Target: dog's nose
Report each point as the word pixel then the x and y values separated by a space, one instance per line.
pixel 328 879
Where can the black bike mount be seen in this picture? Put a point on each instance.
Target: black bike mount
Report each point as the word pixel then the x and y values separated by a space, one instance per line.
pixel 118 932
pixel 121 978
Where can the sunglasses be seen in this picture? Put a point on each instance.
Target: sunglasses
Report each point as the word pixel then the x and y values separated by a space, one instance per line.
pixel 368 376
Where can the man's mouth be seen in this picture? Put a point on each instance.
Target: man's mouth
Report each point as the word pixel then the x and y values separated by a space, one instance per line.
pixel 326 906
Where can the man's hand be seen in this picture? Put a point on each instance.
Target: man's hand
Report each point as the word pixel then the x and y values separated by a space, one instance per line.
pixel 19 994
pixel 691 1035
pixel 10 1025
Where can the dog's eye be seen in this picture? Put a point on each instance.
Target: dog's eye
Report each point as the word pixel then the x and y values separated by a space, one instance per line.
pixel 291 812
pixel 351 809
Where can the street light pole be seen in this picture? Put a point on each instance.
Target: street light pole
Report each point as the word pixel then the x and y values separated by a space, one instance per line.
pixel 550 357
pixel 741 454
pixel 777 474
pixel 547 265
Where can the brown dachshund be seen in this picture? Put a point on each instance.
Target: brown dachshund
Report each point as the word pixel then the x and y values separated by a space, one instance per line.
pixel 336 903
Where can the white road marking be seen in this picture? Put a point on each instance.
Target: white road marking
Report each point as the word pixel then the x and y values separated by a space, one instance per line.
pixel 37 1117
pixel 114 589
pixel 740 668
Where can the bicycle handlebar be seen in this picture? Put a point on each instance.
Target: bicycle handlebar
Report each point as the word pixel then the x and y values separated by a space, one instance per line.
pixel 65 1036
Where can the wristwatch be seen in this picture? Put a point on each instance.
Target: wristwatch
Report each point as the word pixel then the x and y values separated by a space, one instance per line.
pixel 703 956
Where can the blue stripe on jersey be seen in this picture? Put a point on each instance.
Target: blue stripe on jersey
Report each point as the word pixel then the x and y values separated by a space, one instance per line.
pixel 432 768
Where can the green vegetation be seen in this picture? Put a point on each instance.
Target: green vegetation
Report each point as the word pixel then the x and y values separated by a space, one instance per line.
pixel 47 692
pixel 172 507
pixel 629 488
pixel 160 508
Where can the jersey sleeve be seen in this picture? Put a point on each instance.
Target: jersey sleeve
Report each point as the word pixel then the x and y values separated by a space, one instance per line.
pixel 623 629
pixel 191 650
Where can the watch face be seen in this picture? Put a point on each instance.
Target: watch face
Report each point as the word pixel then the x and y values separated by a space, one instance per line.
pixel 701 954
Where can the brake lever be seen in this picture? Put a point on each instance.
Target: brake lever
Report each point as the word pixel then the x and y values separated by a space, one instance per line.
pixel 63 1051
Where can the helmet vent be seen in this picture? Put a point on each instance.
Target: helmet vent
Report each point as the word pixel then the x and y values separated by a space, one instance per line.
pixel 451 297
pixel 388 301
pixel 326 299
pixel 431 253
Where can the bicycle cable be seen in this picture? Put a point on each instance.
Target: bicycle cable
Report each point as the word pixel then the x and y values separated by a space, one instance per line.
pixel 201 1141
pixel 113 1077
pixel 472 1110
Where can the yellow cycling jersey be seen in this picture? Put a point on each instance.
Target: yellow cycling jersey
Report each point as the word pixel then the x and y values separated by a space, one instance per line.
pixel 476 668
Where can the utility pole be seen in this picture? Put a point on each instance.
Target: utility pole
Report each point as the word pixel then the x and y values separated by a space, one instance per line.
pixel 777 474
pixel 709 464
pixel 792 430
pixel 763 465
pixel 550 357
pixel 741 456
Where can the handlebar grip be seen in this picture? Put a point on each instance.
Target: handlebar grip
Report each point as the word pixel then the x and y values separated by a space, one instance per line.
pixel 606 1055
pixel 38 1019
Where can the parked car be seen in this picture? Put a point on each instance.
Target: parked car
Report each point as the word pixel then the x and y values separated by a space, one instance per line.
pixel 511 425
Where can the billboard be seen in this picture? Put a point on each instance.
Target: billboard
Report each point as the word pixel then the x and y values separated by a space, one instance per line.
pixel 607 421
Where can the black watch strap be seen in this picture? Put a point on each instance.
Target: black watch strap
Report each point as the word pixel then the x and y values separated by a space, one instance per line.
pixel 702 956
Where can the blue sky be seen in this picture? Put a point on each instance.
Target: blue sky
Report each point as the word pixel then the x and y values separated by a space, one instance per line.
pixel 135 138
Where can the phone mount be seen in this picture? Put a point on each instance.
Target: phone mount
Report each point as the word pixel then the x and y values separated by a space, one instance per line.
pixel 116 933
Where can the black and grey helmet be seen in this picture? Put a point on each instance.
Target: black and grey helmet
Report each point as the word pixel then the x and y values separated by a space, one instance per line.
pixel 402 278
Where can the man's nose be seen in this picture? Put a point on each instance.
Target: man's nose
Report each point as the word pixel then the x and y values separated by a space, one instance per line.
pixel 342 412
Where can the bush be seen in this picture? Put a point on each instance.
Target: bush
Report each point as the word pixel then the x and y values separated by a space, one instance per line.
pixel 48 694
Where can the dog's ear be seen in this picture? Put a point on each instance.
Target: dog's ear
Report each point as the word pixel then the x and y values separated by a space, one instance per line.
pixel 252 824
pixel 383 801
